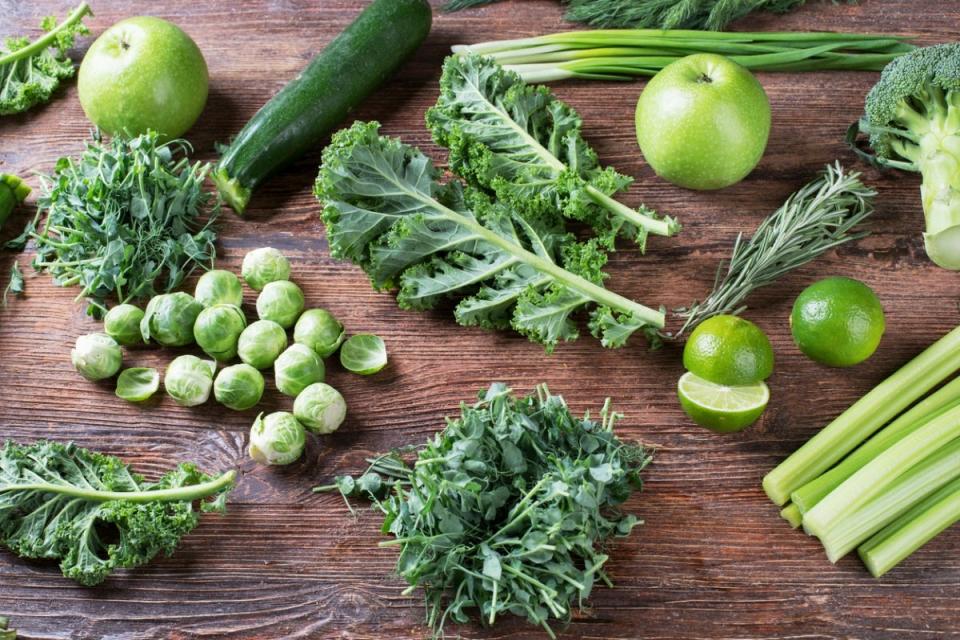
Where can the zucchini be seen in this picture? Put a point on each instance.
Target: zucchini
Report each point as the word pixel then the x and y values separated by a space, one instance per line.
pixel 311 105
pixel 12 192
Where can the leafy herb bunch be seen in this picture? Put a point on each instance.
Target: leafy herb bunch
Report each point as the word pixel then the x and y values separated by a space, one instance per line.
pixel 129 219
pixel 507 508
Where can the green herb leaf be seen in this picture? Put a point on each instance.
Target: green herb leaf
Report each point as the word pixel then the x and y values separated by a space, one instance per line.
pixel 31 71
pixel 386 212
pixel 56 500
pixel 15 286
pixel 6 633
pixel 504 511
pixel 125 219
pixel 526 146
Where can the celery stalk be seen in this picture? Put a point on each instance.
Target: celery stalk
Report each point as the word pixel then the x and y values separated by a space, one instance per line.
pixel 912 530
pixel 792 514
pixel 912 487
pixel 875 477
pixel 868 414
pixel 814 491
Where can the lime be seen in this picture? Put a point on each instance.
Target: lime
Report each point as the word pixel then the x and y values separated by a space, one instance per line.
pixel 719 407
pixel 837 321
pixel 729 350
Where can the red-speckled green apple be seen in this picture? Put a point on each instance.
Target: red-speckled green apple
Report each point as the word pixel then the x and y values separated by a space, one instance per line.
pixel 143 73
pixel 703 122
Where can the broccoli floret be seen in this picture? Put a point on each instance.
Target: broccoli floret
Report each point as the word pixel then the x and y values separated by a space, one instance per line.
pixel 913 120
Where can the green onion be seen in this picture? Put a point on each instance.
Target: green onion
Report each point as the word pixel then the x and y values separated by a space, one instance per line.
pixel 875 477
pixel 930 475
pixel 621 54
pixel 944 399
pixel 865 417
pixel 912 530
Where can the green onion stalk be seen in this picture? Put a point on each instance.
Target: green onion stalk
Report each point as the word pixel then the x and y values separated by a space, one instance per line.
pixel 622 54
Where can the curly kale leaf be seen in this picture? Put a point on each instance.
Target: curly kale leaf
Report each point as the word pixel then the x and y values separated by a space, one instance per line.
pixel 526 146
pixel 31 71
pixel 90 512
pixel 386 212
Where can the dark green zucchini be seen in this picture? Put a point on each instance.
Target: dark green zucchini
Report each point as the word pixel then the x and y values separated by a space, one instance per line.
pixel 311 105
pixel 12 192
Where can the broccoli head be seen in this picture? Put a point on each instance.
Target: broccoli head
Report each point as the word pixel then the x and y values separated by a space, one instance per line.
pixel 913 120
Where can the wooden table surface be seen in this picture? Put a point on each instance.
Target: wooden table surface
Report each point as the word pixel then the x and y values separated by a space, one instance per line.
pixel 714 560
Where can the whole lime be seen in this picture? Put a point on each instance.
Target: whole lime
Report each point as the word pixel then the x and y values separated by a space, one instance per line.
pixel 729 350
pixel 143 73
pixel 837 321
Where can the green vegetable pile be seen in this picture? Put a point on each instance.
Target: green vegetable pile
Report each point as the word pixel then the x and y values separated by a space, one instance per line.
pixel 508 509
pixel 128 219
pixel 31 71
pixel 881 477
pixel 61 502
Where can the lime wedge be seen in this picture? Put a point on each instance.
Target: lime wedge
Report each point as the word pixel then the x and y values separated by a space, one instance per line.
pixel 720 407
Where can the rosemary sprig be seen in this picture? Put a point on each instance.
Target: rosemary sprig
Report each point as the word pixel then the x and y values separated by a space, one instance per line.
pixel 820 216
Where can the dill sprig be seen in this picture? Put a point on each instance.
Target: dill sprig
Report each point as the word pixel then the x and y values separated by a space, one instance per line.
pixel 711 15
pixel 820 216
pixel 128 219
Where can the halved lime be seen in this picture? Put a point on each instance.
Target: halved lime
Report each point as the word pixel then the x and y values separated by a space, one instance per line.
pixel 719 407
pixel 729 350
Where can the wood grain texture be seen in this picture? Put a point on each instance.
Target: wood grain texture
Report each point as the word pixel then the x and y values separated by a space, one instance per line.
pixel 713 560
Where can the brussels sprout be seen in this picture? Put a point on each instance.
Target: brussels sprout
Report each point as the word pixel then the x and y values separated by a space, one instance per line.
pixel 217 331
pixel 320 408
pixel 319 330
pixel 239 387
pixel 122 323
pixel 169 319
pixel 219 287
pixel 277 439
pixel 364 353
pixel 281 302
pixel 137 384
pixel 261 343
pixel 262 266
pixel 189 379
pixel 296 369
pixel 96 356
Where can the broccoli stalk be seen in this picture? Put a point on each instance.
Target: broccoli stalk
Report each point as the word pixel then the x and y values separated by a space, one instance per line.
pixel 913 120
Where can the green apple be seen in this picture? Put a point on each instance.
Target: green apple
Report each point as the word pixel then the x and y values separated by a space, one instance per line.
pixel 143 73
pixel 703 122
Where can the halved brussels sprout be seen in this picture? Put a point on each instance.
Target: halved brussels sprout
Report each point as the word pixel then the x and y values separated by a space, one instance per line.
pixel 137 384
pixel 239 387
pixel 122 323
pixel 217 331
pixel 364 353
pixel 277 439
pixel 262 266
pixel 189 380
pixel 261 343
pixel 296 369
pixel 319 330
pixel 169 319
pixel 97 356
pixel 320 408
pixel 219 287
pixel 281 302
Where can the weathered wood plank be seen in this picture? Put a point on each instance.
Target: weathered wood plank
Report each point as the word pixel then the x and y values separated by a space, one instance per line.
pixel 714 560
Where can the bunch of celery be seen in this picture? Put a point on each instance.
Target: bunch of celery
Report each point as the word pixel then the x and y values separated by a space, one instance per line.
pixel 882 478
pixel 620 54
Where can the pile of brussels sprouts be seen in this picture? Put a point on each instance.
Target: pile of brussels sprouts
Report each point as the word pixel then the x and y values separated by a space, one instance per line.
pixel 213 318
